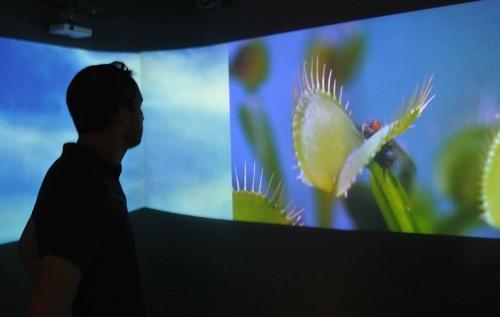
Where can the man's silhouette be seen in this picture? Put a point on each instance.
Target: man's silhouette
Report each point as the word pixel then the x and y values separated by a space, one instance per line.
pixel 78 244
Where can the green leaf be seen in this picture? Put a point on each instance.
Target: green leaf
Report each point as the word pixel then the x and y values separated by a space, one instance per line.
pixel 249 206
pixel 322 130
pixel 392 200
pixel 460 165
pixel 250 203
pixel 360 157
pixel 490 185
pixel 414 109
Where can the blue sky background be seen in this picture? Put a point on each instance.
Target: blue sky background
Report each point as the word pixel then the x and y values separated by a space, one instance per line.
pixel 183 164
pixel 459 45
pixel 187 141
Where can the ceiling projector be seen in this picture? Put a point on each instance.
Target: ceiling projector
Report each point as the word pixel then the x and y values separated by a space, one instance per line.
pixel 70 30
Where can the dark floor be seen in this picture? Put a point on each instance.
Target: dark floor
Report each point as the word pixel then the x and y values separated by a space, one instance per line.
pixel 201 267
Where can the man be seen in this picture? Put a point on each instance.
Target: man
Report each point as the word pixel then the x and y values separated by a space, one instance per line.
pixel 78 243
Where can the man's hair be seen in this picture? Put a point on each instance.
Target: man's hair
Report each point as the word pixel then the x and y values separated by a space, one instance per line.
pixel 96 93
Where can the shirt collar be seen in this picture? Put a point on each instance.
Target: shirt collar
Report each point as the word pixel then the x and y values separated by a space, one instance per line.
pixel 89 156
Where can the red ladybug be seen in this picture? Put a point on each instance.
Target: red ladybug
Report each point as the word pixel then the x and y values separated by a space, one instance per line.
pixel 389 152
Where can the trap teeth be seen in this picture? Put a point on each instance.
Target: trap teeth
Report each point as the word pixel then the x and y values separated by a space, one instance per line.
pixel 250 204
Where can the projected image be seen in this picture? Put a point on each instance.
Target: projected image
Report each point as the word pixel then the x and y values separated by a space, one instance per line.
pixel 389 123
pixel 186 132
pixel 183 163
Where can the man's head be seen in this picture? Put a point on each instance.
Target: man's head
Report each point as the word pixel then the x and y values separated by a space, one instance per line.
pixel 101 97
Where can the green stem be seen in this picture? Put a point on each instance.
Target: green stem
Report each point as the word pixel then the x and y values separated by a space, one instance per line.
pixel 392 200
pixel 324 202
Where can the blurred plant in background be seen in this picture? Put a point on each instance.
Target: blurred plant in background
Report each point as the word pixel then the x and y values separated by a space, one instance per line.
pixel 342 49
pixel 250 66
pixel 464 173
pixel 458 172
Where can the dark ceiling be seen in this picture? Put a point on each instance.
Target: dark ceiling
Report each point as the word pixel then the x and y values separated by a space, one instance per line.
pixel 133 25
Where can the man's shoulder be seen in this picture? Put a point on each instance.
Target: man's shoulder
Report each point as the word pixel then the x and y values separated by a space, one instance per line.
pixel 74 184
pixel 70 180
pixel 66 171
pixel 70 192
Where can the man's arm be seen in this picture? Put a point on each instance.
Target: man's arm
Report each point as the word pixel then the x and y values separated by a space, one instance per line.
pixel 27 248
pixel 54 289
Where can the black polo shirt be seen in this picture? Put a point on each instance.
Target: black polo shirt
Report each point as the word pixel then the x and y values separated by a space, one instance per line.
pixel 81 215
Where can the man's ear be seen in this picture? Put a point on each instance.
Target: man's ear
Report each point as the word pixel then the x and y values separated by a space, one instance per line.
pixel 122 115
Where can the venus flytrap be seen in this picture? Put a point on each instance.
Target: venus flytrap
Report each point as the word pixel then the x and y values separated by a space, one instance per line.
pixel 365 153
pixel 252 203
pixel 459 174
pixel 331 152
pixel 322 130
pixel 490 183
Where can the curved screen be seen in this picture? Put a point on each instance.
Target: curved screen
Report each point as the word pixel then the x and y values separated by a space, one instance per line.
pixel 351 149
